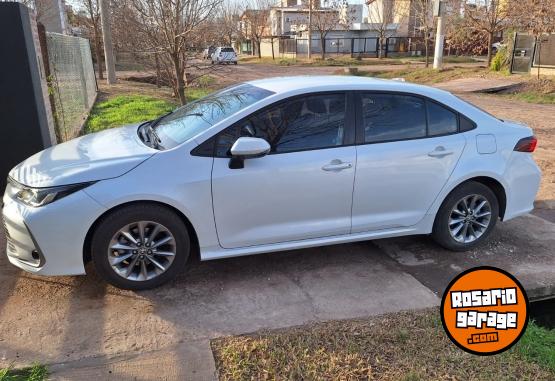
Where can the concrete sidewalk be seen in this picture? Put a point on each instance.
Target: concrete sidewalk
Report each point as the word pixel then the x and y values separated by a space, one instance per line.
pixel 84 329
pixel 525 247
pixel 479 85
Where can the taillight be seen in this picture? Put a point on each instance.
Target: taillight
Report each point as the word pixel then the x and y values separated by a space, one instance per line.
pixel 526 144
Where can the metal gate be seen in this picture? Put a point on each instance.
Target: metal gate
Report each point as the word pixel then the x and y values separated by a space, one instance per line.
pixel 523 53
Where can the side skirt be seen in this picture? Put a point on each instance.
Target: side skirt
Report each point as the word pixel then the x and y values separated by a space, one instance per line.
pixel 217 252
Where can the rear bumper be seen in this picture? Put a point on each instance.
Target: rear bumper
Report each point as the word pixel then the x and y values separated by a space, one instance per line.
pixel 523 177
pixel 49 240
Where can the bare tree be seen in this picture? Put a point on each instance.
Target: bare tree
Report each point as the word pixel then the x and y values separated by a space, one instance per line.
pixel 488 16
pixel 228 22
pixel 166 26
pixel 255 22
pixel 538 17
pixel 424 20
pixel 385 17
pixel 324 20
pixel 92 21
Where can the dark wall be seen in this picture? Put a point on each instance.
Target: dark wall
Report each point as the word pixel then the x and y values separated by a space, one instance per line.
pixel 24 125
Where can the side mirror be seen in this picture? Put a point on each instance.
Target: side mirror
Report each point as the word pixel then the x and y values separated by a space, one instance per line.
pixel 247 148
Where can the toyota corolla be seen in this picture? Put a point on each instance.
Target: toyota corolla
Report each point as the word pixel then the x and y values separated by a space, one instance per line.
pixel 264 166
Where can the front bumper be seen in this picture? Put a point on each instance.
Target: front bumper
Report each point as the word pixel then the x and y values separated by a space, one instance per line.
pixel 48 240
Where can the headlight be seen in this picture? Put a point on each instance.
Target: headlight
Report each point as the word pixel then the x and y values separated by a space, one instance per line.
pixel 41 196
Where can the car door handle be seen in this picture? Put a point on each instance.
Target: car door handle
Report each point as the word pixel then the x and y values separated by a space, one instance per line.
pixel 336 165
pixel 440 152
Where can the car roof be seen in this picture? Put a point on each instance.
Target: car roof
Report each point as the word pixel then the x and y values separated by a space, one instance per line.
pixel 344 82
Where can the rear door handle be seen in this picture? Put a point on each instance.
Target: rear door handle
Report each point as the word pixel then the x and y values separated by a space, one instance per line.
pixel 440 152
pixel 336 165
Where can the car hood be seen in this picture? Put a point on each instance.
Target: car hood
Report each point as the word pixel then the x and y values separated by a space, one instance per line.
pixel 97 156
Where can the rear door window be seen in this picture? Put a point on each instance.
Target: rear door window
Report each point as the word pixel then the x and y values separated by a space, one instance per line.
pixel 441 121
pixel 389 117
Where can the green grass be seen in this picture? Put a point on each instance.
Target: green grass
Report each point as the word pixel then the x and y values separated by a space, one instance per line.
pixel 427 75
pixel 534 97
pixel 36 372
pixel 538 345
pixel 408 345
pixel 127 109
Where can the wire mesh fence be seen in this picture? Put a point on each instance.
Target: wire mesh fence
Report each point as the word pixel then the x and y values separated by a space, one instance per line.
pixel 72 82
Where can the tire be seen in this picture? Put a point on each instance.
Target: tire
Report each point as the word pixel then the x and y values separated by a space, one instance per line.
pixel 212 62
pixel 235 62
pixel 167 227
pixel 448 220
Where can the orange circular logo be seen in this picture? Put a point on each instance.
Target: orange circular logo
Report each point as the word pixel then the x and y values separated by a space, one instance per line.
pixel 484 310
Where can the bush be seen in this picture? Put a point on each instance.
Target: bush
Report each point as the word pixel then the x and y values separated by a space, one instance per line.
pixel 501 59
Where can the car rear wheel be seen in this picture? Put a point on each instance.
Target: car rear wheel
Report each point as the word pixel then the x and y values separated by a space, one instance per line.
pixel 141 246
pixel 466 217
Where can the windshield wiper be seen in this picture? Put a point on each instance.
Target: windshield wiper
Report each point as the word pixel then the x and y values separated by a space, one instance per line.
pixel 153 137
pixel 151 132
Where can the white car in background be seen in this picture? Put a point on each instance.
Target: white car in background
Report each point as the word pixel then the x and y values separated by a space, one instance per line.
pixel 224 54
pixel 269 165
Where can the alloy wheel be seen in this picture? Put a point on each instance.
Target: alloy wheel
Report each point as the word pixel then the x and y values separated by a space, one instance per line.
pixel 141 250
pixel 470 218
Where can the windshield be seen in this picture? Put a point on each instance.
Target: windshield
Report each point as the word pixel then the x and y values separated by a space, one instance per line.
pixel 195 117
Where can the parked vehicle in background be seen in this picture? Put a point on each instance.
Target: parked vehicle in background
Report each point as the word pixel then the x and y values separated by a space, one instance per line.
pixel 207 54
pixel 265 166
pixel 224 54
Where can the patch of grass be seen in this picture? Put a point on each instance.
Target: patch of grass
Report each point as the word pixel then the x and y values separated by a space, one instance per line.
pixel 428 75
pixel 533 97
pixel 134 108
pixel 193 94
pixel 446 59
pixel 318 61
pixel 125 109
pixel 538 345
pixel 402 346
pixel 36 372
pixel 534 91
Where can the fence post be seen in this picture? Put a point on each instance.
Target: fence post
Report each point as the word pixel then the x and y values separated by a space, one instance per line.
pixel 513 54
pixel 82 74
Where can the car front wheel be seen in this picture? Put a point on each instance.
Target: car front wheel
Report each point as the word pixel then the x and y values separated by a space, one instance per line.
pixel 140 246
pixel 466 217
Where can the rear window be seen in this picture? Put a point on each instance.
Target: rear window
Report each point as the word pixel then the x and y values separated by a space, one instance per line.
pixel 229 50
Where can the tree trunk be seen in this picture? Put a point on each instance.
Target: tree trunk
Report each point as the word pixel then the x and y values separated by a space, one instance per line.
pixel 490 39
pixel 427 52
pixel 258 43
pixel 273 54
pixel 539 47
pixel 380 47
pixel 323 46
pixel 157 60
pixel 180 85
pixel 98 52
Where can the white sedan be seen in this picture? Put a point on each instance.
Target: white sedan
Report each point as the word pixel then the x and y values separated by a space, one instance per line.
pixel 269 165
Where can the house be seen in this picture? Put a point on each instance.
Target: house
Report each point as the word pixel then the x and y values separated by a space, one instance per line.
pixel 345 28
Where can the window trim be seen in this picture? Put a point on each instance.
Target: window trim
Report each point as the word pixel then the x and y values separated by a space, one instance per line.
pixel 360 125
pixel 348 133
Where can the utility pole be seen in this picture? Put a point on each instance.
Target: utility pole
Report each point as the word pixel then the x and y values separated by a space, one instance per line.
pixel 107 35
pixel 438 51
pixel 309 28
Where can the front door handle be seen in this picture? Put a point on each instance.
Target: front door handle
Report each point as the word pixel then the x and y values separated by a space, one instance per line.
pixel 440 152
pixel 336 165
